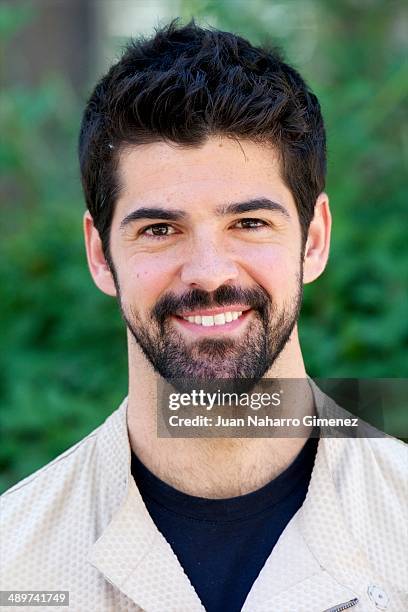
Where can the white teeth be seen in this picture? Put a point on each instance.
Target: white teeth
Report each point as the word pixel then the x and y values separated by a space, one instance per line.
pixel 207 321
pixel 218 319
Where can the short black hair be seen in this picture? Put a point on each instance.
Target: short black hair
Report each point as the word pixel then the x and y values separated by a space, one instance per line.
pixel 186 83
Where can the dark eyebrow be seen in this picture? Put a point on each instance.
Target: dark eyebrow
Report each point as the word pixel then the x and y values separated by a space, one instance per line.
pixel 227 209
pixel 251 205
pixel 153 213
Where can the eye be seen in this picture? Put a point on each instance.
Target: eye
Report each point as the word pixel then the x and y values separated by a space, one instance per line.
pixel 251 224
pixel 158 230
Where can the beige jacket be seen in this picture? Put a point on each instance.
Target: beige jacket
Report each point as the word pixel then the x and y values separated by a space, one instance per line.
pixel 80 525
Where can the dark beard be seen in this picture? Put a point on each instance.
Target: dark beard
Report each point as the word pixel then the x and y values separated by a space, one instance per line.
pixel 215 358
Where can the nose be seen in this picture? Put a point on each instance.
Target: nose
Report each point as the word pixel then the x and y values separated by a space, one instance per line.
pixel 207 266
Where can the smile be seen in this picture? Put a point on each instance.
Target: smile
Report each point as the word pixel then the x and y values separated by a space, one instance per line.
pixel 214 321
pixel 217 319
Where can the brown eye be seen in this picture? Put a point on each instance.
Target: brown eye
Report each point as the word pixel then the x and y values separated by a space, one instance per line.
pixel 159 229
pixel 250 224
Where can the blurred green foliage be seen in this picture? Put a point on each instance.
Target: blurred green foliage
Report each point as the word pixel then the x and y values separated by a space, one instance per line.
pixel 63 362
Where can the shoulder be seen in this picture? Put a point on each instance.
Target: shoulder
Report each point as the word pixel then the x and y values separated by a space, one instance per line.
pixel 50 519
pixel 388 453
pixel 39 512
pixel 370 468
pixel 365 456
pixel 65 472
pixel 370 476
pixel 53 475
pixel 39 523
pixel 384 472
pixel 375 463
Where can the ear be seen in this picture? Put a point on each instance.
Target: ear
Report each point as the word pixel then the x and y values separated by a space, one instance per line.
pixel 97 263
pixel 318 240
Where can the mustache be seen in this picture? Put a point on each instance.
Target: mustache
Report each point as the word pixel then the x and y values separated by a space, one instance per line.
pixel 171 304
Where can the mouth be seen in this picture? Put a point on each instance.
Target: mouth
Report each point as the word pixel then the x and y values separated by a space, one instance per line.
pixel 214 320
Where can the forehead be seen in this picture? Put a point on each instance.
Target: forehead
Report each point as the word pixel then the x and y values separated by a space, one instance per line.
pixel 220 171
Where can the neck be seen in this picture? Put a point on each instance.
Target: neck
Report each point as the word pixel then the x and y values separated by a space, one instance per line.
pixel 213 467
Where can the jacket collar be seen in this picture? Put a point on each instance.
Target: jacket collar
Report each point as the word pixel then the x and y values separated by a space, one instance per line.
pixel 135 557
pixel 131 552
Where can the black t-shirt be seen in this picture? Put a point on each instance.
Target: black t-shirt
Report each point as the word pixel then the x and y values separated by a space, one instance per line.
pixel 222 544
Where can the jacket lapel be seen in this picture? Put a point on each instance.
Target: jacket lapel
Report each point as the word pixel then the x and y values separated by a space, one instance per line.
pixel 315 565
pixel 294 579
pixel 130 552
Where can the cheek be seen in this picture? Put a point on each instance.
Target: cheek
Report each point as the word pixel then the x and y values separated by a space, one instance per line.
pixel 145 278
pixel 273 267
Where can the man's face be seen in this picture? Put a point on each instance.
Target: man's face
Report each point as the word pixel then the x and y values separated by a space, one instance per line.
pixel 206 248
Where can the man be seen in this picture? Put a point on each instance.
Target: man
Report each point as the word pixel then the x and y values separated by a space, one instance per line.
pixel 203 166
